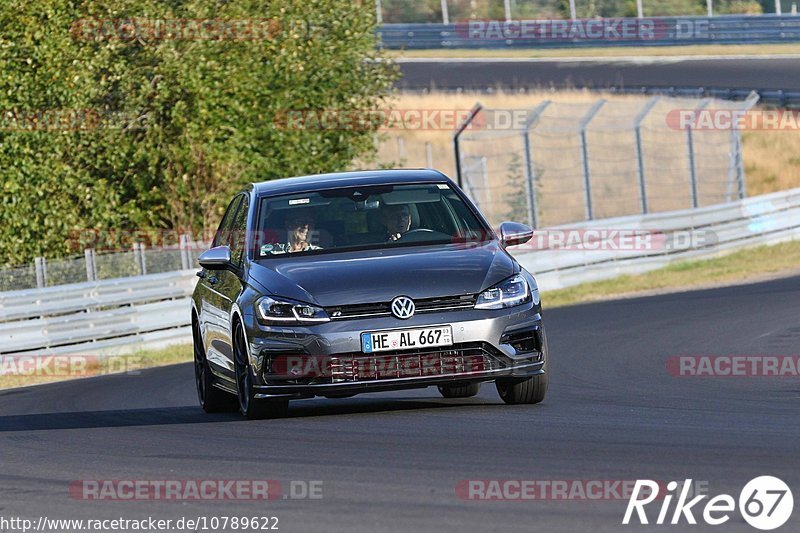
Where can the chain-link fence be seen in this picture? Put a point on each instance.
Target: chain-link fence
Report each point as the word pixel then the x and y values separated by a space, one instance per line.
pixel 568 162
pixel 93 265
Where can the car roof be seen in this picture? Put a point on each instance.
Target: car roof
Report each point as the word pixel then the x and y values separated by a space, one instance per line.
pixel 347 179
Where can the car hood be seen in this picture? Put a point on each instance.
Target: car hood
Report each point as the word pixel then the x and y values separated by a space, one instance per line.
pixel 380 275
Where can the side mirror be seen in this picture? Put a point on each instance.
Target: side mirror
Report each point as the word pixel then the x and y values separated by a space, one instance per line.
pixel 217 258
pixel 513 233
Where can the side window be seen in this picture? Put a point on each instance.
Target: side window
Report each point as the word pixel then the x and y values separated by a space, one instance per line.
pixel 239 231
pixel 223 234
pixel 461 211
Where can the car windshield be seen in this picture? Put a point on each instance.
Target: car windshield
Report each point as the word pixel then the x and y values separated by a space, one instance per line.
pixel 364 218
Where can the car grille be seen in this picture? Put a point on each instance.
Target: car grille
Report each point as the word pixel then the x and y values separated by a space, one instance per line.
pixel 424 305
pixel 456 360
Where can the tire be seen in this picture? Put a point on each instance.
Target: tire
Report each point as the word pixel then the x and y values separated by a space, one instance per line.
pixel 460 391
pixel 530 390
pixel 250 407
pixel 212 399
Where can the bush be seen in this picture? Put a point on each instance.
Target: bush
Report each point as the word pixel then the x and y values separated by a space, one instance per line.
pixel 163 131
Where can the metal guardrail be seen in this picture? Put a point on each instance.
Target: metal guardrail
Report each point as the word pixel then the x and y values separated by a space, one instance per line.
pixel 87 317
pixel 688 234
pixel 90 318
pixel 668 31
pixel 766 97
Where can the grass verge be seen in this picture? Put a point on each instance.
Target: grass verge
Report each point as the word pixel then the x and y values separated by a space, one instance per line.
pixel 751 264
pixel 21 371
pixel 616 51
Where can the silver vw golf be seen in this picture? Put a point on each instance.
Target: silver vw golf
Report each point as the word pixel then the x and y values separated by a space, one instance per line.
pixel 339 284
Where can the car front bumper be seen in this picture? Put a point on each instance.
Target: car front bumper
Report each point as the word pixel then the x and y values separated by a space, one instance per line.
pixel 487 345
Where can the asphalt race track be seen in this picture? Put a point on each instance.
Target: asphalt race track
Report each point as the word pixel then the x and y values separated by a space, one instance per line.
pixel 730 72
pixel 391 462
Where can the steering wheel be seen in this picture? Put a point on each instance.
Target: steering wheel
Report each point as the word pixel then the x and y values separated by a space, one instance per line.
pixel 422 234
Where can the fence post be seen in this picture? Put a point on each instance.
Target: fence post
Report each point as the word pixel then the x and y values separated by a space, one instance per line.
pixel 378 12
pixel 737 163
pixel 710 8
pixel 487 195
pixel 184 246
pixel 91 265
pixel 139 258
pixel 428 155
pixel 572 13
pixel 637 128
pixel 530 177
pixel 445 13
pixel 468 185
pixel 456 148
pixel 735 174
pixel 740 169
pixel 40 266
pixel 778 8
pixel 690 151
pixel 587 182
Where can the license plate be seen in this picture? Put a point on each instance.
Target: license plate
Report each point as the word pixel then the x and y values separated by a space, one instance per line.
pixel 406 339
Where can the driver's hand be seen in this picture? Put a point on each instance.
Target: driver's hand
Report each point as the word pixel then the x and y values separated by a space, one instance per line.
pixel 395 236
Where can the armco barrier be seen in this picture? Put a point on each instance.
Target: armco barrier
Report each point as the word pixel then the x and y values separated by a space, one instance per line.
pixel 91 318
pixel 87 317
pixel 668 31
pixel 766 97
pixel 708 232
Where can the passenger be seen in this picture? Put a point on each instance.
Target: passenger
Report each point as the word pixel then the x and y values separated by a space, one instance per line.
pixel 299 228
pixel 397 219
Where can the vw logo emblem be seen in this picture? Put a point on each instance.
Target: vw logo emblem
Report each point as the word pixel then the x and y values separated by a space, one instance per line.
pixel 403 307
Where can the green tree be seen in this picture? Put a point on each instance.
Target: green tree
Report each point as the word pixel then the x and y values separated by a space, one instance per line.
pixel 517 195
pixel 179 123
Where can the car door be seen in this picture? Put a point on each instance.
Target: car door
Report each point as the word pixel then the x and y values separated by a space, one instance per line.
pixel 230 284
pixel 212 313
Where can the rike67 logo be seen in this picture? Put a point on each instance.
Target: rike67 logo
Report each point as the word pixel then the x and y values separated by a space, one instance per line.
pixel 765 503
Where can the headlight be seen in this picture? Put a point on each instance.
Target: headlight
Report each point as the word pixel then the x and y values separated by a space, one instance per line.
pixel 290 312
pixel 512 292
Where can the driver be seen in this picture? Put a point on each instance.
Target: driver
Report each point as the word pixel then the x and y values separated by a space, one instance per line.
pixel 397 219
